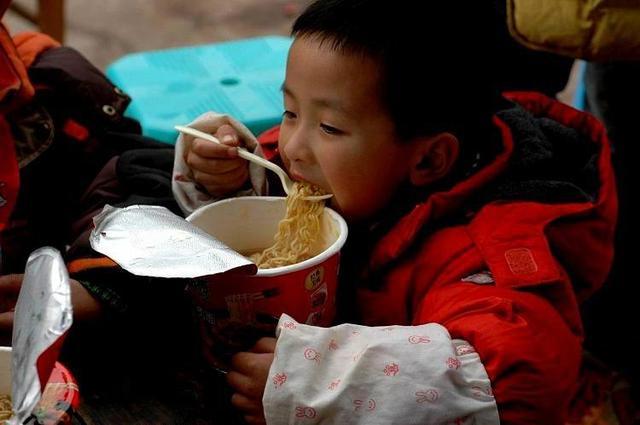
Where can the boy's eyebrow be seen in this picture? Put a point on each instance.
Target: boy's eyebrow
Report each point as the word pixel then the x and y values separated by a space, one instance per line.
pixel 323 102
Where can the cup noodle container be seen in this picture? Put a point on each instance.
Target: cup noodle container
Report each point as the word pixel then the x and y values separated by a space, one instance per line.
pixel 236 310
pixel 59 398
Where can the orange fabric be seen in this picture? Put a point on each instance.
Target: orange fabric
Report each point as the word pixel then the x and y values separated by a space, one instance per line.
pixel 15 89
pixel 30 44
pixel 83 264
pixel 76 130
pixel 9 78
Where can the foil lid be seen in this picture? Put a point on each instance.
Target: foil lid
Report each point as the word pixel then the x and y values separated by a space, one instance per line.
pixel 43 315
pixel 152 241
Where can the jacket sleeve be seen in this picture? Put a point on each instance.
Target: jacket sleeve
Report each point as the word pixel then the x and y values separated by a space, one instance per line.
pixel 352 375
pixel 530 355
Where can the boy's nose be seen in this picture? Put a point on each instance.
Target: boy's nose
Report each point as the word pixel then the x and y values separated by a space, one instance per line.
pixel 297 147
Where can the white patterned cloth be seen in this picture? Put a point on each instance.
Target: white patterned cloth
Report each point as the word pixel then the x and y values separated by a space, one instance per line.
pixel 185 189
pixel 352 374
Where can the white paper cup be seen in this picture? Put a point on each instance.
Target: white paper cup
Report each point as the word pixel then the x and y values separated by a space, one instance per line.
pixel 236 309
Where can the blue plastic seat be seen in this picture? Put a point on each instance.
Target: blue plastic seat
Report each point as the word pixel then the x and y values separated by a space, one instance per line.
pixel 580 95
pixel 242 78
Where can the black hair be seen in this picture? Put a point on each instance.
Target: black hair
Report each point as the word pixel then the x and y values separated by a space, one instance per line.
pixel 434 77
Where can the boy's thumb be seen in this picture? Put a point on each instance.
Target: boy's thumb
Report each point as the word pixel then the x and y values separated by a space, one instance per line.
pixel 11 283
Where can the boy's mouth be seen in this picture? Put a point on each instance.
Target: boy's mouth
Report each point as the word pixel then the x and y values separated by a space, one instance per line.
pixel 300 177
pixel 297 176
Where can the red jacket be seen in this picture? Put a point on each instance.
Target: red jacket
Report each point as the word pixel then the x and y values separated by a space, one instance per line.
pixel 545 257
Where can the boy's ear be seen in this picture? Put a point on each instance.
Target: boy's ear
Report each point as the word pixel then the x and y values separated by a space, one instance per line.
pixel 433 158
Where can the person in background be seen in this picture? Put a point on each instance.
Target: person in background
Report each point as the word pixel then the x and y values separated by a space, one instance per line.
pixel 36 191
pixel 61 122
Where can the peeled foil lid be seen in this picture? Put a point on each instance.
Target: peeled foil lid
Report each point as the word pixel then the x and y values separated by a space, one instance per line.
pixel 152 241
pixel 43 314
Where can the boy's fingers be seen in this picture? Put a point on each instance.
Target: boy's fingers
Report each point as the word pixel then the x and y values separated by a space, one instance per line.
pixel 244 385
pixel 214 165
pixel 264 345
pixel 209 149
pixel 252 363
pixel 254 420
pixel 11 283
pixel 222 177
pixel 6 322
pixel 247 405
pixel 245 363
pixel 228 135
pixel 9 291
pixel 216 187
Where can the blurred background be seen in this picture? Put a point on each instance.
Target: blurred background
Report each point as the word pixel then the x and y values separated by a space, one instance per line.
pixel 104 30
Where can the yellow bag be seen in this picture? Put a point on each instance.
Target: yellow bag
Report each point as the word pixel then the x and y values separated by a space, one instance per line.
pixel 596 30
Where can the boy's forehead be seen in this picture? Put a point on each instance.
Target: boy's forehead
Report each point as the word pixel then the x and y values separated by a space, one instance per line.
pixel 322 101
pixel 326 49
pixel 334 78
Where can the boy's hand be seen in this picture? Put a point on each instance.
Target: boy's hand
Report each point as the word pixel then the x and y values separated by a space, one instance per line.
pixel 248 377
pixel 218 168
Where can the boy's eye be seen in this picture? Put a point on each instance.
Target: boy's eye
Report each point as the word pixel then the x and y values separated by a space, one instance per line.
pixel 288 115
pixel 331 130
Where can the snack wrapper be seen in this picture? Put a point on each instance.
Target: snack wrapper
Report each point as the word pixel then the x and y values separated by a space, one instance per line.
pixel 43 315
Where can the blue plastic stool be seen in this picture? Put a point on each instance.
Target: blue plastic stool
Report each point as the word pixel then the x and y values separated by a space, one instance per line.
pixel 580 95
pixel 241 78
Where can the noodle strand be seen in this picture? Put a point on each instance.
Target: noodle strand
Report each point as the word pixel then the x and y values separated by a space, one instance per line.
pixel 297 233
pixel 5 407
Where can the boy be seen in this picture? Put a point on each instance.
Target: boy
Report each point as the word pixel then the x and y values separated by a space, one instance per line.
pixel 477 235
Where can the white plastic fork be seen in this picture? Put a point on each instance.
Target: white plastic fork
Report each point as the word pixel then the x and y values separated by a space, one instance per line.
pixel 287 183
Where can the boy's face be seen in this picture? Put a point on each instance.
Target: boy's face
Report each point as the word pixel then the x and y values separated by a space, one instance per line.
pixel 336 133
